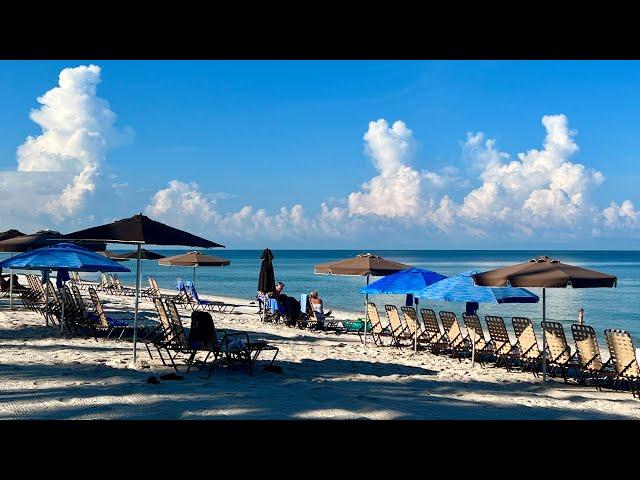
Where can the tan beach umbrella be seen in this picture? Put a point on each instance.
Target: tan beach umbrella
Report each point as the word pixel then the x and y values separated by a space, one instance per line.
pixel 544 273
pixel 364 264
pixel 194 259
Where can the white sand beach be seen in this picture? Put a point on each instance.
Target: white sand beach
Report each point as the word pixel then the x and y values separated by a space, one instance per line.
pixel 325 376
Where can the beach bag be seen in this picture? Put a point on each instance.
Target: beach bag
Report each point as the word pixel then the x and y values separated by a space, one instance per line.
pixel 202 331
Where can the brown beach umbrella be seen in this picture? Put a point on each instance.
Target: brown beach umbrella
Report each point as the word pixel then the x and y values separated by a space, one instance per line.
pixel 10 234
pixel 364 264
pixel 194 259
pixel 144 255
pixel 40 239
pixel 544 273
pixel 114 256
pixel 141 230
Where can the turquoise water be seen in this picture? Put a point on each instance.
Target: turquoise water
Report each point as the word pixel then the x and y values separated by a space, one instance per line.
pixel 604 308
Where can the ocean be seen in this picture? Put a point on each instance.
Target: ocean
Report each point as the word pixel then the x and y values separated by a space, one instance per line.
pixel 603 307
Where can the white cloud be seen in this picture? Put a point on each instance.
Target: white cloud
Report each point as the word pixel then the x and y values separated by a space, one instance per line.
pixel 623 216
pixel 77 131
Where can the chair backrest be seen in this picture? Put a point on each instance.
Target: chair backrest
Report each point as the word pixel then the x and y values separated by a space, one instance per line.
pixel 411 319
pixel 586 346
pixel 394 319
pixel 53 294
pixel 104 281
pixel 374 318
pixel 305 305
pixel 498 334
pixel 152 288
pixel 78 298
pixel 97 309
pixel 180 336
pixel 430 321
pixel 474 329
pixel 190 288
pixel 162 314
pixel 622 352
pixel 557 345
pixel 451 328
pixel 526 336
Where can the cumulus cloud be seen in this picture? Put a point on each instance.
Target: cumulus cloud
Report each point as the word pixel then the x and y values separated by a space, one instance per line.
pixel 78 128
pixel 623 216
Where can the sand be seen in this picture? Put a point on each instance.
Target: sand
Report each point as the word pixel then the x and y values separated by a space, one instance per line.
pixel 325 376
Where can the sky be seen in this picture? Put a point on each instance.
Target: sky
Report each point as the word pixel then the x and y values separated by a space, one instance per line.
pixel 328 154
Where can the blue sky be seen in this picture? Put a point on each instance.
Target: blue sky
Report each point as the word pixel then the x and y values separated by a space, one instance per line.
pixel 273 134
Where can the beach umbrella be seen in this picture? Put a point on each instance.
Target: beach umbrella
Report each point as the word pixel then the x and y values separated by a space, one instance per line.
pixel 42 238
pixel 114 256
pixel 460 288
pixel 543 272
pixel 141 230
pixel 194 259
pixel 10 234
pixel 62 258
pixel 15 241
pixel 364 264
pixel 407 281
pixel 266 277
pixel 144 255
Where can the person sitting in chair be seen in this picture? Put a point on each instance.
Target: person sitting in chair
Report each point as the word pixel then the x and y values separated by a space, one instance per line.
pixel 318 307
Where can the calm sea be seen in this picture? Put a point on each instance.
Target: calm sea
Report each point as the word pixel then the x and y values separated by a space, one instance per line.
pixel 604 307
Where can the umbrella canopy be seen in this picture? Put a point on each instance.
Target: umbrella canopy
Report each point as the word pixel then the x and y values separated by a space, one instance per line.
pixel 10 234
pixel 40 239
pixel 141 229
pixel 144 255
pixel 545 273
pixel 460 288
pixel 194 259
pixel 405 281
pixel 363 264
pixel 266 278
pixel 114 256
pixel 67 256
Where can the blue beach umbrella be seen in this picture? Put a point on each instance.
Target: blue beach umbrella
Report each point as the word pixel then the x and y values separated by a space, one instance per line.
pixel 460 288
pixel 63 257
pixel 407 281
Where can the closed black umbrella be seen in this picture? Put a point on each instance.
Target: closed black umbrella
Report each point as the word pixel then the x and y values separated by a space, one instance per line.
pixel 266 279
pixel 141 230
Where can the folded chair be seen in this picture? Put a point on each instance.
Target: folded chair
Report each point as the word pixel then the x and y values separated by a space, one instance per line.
pixel 458 341
pixel 436 340
pixel 476 335
pixel 623 356
pixel 506 353
pixel 530 353
pixel 398 331
pixel 558 350
pixel 588 354
pixel 105 323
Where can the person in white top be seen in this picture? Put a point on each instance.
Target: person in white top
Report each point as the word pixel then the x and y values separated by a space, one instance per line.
pixel 316 304
pixel 581 316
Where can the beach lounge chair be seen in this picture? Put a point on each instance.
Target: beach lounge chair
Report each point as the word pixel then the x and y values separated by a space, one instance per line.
pixel 483 348
pixel 458 341
pixel 161 336
pixel 623 357
pixel 76 316
pixel 377 330
pixel 196 302
pixel 398 331
pixel 530 353
pixel 506 353
pixel 588 354
pixel 107 324
pixel 436 340
pixel 413 325
pixel 558 350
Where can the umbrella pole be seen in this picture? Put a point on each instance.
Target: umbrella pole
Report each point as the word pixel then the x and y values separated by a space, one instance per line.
pixel 62 297
pixel 415 335
pixel 11 288
pixel 544 337
pixel 193 278
pixel 366 313
pixel 135 315
pixel 46 297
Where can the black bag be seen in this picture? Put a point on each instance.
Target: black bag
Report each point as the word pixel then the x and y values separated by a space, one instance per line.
pixel 202 332
pixel 292 307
